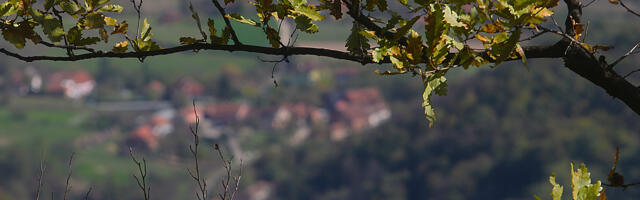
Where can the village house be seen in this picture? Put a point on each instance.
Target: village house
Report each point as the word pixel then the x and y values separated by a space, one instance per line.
pixel 147 135
pixel 73 84
pixel 358 110
pixel 217 118
pixel 189 87
pixel 142 138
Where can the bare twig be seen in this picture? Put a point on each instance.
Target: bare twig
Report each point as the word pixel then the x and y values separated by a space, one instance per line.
pixel 40 176
pixel 586 32
pixel 631 72
pixel 588 4
pixel 138 9
pixel 234 37
pixel 237 181
pixel 615 179
pixel 533 36
pixel 67 47
pixel 86 195
pixel 624 56
pixel 67 188
pixel 628 9
pixel 228 192
pixel 64 37
pixel 202 183
pixel 142 170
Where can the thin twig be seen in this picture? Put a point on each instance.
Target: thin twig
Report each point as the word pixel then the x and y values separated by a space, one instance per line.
pixel 68 47
pixel 86 195
pixel 592 1
pixel 42 170
pixel 624 56
pixel 586 32
pixel 226 183
pixel 533 36
pixel 202 183
pixel 628 9
pixel 67 188
pixel 142 180
pixel 64 37
pixel 237 180
pixel 631 72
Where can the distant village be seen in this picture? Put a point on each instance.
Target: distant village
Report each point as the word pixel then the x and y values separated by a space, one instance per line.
pixel 344 112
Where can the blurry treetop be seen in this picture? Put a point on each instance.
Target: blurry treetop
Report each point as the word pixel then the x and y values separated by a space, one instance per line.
pixel 382 32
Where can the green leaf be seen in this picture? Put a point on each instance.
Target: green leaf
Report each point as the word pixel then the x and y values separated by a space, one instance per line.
pixel 196 17
pixel 581 184
pixel 414 47
pixel 147 45
pixel 226 34
pixel 241 19
pixel 146 34
pixel 504 49
pixel 309 12
pixel 52 27
pixel 356 43
pixel 451 17
pixel 15 37
pixel 188 40
pixel 369 34
pixel 435 83
pixel 48 4
pixel 110 21
pixel 74 36
pixel 92 4
pixel 303 23
pixel 120 28
pixel 382 5
pixel 273 37
pixel 378 54
pixel 405 29
pixel 556 191
pixel 520 52
pixel 110 8
pixel 71 7
pixel 8 8
pixel 94 21
pixel 437 34
pixel 212 30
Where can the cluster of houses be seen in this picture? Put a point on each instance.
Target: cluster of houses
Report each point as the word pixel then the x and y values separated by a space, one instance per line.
pixel 345 112
pixel 75 84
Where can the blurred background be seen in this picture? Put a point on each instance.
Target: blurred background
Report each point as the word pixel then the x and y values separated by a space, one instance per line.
pixel 329 130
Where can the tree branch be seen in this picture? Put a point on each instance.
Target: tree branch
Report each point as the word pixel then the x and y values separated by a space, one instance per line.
pixel 629 9
pixel 234 37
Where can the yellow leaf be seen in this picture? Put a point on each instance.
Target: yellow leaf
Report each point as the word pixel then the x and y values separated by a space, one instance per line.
pixel 492 28
pixel 483 39
pixel 579 28
pixel 120 47
pixel 603 47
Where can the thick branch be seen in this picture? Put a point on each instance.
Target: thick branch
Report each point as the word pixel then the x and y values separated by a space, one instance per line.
pixel 531 52
pixel 573 16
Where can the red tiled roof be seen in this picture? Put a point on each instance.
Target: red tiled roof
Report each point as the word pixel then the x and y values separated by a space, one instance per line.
pixel 145 133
